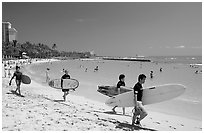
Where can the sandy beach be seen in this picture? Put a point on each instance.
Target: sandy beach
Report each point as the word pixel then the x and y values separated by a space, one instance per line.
pixel 41 109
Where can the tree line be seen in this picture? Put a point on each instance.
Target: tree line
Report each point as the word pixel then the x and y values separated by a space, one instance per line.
pixel 40 50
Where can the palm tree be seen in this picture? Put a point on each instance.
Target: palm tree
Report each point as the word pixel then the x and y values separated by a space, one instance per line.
pixel 14 43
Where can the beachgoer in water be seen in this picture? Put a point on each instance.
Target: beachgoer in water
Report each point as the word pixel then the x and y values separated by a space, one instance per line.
pixel 160 69
pixel 151 74
pixel 120 83
pixel 86 69
pixel 138 93
pixel 47 75
pixel 96 69
pixel 66 91
pixel 18 76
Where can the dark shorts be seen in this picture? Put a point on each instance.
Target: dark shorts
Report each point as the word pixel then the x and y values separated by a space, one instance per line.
pixel 65 90
pixel 18 82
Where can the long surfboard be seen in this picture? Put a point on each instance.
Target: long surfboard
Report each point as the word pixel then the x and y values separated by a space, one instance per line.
pixel 67 84
pixel 151 95
pixel 112 90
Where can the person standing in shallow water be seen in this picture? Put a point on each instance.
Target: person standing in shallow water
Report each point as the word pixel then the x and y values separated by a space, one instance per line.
pixel 47 75
pixel 120 83
pixel 151 74
pixel 66 91
pixel 160 70
pixel 18 76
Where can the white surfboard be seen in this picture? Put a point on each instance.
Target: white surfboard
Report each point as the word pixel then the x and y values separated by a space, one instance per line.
pixel 151 95
pixel 67 84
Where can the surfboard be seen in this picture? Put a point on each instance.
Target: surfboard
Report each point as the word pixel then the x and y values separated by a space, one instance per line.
pixel 112 90
pixel 151 95
pixel 26 79
pixel 67 83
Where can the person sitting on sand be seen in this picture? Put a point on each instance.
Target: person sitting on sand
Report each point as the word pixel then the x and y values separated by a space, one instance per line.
pixel 66 91
pixel 120 83
pixel 18 76
pixel 138 92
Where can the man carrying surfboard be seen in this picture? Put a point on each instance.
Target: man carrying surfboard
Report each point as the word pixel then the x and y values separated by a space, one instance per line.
pixel 120 83
pixel 138 93
pixel 18 76
pixel 66 91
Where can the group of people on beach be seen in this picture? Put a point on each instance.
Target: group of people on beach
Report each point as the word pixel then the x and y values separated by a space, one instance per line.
pixel 139 112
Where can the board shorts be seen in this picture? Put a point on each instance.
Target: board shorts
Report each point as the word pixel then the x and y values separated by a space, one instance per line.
pixel 18 82
pixel 140 108
pixel 65 90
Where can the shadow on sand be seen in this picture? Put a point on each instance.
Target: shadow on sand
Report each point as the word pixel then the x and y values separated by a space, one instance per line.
pixel 126 126
pixel 129 127
pixel 15 93
pixel 114 113
pixel 60 101
pixel 123 126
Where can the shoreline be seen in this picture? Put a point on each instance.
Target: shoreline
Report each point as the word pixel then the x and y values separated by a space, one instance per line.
pixel 84 114
pixel 88 84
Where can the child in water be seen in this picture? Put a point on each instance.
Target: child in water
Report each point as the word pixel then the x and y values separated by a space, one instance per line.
pixel 18 76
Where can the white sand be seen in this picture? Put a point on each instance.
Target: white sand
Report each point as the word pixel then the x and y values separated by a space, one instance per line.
pixel 41 109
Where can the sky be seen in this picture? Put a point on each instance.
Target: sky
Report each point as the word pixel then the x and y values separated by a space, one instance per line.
pixel 111 29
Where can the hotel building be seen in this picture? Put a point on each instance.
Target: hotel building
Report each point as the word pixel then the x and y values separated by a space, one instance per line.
pixel 8 34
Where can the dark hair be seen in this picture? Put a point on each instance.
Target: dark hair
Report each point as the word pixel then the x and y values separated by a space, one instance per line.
pixel 121 76
pixel 17 67
pixel 141 76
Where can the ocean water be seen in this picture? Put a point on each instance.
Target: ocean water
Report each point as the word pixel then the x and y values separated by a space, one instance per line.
pixel 175 70
pixel 177 59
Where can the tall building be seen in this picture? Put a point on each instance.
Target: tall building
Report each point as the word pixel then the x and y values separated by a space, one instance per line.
pixel 5 31
pixel 12 34
pixel 8 34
